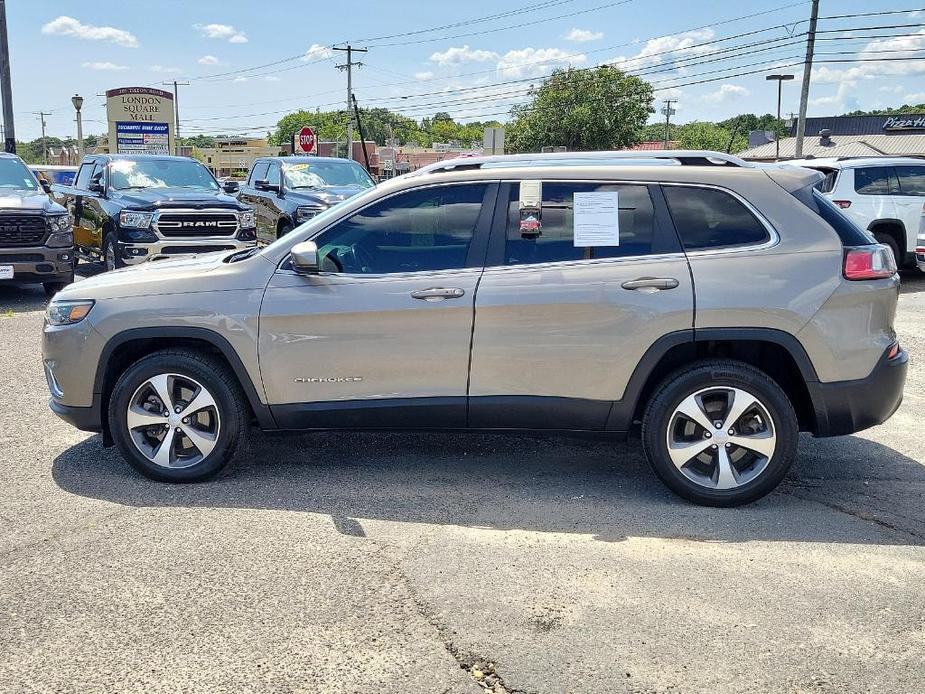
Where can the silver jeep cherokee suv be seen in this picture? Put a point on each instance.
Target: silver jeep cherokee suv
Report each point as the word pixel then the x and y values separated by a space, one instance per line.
pixel 725 307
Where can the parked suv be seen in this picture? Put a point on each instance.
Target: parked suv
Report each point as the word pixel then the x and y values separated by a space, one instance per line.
pixel 134 208
pixel 883 195
pixel 36 234
pixel 286 191
pixel 724 307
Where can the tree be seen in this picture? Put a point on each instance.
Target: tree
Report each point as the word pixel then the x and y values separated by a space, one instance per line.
pixel 601 108
pixel 704 135
pixel 904 109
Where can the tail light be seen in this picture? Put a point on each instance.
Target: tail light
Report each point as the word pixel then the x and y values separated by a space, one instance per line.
pixel 872 262
pixel 893 352
pixel 844 204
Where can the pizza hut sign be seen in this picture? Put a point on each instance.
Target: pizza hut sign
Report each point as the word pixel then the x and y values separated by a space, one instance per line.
pixel 904 123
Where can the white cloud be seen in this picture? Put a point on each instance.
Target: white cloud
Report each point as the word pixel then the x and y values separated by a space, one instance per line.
pixel 209 60
pixel 455 56
pixel 895 49
pixel 221 31
pixel 536 61
pixel 318 52
pixel 582 35
pixel 844 99
pixel 271 78
pixel 425 75
pixel 239 79
pixel 917 98
pixel 667 49
pixel 104 66
pixel 165 69
pixel 895 89
pixel 68 26
pixel 725 93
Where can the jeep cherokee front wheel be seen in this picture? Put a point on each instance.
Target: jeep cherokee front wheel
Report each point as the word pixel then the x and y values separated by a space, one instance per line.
pixel 720 433
pixel 177 416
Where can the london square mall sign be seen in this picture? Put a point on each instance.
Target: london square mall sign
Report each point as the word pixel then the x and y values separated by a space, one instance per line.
pixel 141 120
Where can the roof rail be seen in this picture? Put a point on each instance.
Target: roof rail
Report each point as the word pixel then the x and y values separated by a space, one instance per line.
pixel 603 158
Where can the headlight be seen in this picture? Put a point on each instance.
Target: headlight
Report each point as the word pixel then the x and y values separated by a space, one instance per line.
pixel 60 239
pixel 135 220
pixel 247 220
pixel 61 222
pixel 67 312
pixel 305 213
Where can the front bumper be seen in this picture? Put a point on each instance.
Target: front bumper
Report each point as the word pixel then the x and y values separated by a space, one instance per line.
pixel 136 253
pixel 83 418
pixel 846 407
pixel 39 263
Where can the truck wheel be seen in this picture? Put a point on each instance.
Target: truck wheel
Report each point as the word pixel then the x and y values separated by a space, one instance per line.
pixel 283 229
pixel 720 433
pixel 111 258
pixel 177 416
pixel 52 288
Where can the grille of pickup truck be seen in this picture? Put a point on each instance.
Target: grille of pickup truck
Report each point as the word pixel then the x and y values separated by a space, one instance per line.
pixel 21 230
pixel 192 224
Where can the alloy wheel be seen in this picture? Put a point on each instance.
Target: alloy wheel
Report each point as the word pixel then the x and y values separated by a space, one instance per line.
pixel 173 420
pixel 721 437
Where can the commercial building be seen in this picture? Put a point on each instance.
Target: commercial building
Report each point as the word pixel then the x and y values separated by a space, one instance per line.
pixel 850 136
pixel 233 156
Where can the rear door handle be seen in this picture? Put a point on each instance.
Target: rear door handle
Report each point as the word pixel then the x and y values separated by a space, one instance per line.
pixel 438 293
pixel 654 283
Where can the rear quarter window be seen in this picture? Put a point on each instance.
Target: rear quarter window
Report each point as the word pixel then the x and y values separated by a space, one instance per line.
pixel 708 218
pixel 849 232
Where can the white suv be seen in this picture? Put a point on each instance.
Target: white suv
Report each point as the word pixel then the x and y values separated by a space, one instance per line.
pixel 885 195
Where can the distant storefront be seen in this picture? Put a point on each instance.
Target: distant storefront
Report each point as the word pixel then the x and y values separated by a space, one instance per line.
pixel 233 156
pixel 851 136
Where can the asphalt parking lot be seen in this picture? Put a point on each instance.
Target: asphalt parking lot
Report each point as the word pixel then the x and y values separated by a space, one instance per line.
pixel 438 563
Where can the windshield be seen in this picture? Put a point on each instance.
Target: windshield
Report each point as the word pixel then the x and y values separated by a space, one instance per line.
pixel 14 174
pixel 326 173
pixel 160 173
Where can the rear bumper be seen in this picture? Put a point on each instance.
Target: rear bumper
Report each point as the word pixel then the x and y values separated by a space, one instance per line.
pixel 39 264
pixel 846 407
pixel 84 418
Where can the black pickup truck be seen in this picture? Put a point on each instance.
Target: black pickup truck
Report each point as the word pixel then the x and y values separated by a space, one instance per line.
pixel 130 209
pixel 36 239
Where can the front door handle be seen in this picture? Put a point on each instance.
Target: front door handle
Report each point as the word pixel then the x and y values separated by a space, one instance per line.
pixel 654 283
pixel 438 293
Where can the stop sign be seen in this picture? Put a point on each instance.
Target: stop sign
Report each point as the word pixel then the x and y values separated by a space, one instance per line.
pixel 305 141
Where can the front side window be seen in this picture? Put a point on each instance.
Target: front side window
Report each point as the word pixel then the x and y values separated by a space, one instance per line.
pixel 125 174
pixel 83 175
pixel 876 180
pixel 15 174
pixel 708 218
pixel 554 239
pixel 421 230
pixel 273 174
pixel 911 180
pixel 259 172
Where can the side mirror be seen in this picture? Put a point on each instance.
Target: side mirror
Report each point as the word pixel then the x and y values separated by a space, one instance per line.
pixel 232 187
pixel 304 257
pixel 96 187
pixel 264 184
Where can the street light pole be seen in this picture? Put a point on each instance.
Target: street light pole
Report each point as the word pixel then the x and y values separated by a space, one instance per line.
pixel 78 101
pixel 6 89
pixel 780 79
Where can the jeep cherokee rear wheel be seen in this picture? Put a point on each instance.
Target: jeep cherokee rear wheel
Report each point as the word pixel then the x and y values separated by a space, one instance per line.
pixel 720 433
pixel 177 416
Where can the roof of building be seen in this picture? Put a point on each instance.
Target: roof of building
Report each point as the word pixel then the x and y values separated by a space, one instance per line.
pixel 854 162
pixel 863 125
pixel 843 146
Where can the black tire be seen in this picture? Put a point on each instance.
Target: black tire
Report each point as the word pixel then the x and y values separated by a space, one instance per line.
pixel 888 240
pixel 111 258
pixel 213 375
pixel 283 229
pixel 52 288
pixel 719 373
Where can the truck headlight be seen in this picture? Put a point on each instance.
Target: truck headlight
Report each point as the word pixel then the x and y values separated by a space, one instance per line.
pixel 247 220
pixel 67 312
pixel 60 239
pixel 303 214
pixel 135 220
pixel 60 222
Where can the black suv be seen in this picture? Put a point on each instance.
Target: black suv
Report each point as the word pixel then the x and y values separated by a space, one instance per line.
pixel 286 191
pixel 36 234
pixel 133 208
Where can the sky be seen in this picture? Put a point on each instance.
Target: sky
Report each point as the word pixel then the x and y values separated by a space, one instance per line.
pixel 249 63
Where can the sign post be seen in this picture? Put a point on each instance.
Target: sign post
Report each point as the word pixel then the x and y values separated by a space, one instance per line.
pixel 305 142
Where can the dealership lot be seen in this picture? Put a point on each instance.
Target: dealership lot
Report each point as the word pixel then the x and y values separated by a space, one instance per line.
pixel 437 563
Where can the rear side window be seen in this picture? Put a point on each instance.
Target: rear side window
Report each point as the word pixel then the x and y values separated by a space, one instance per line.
pixel 911 180
pixel 554 241
pixel 708 218
pixel 258 173
pixel 827 184
pixel 849 233
pixel 876 180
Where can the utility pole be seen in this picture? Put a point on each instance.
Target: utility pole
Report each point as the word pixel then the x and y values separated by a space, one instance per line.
pixel 348 66
pixel 807 69
pixel 668 111
pixel 41 115
pixel 6 88
pixel 176 113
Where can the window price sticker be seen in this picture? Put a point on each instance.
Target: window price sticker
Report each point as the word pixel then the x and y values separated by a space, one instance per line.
pixel 597 219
